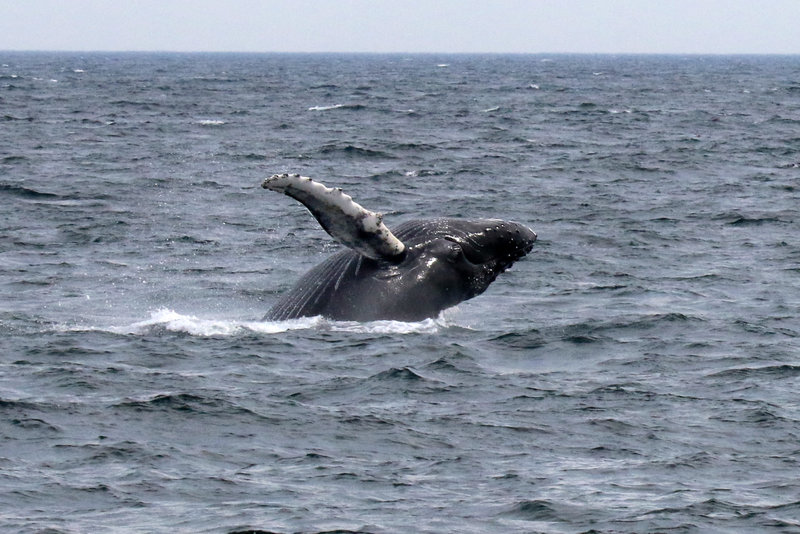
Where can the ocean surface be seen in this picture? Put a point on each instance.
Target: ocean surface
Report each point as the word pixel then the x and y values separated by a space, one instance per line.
pixel 638 372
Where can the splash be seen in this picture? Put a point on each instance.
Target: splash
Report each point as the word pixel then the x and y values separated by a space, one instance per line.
pixel 428 326
pixel 169 320
pixel 172 321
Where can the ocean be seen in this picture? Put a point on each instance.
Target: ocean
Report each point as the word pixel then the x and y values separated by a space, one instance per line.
pixel 637 372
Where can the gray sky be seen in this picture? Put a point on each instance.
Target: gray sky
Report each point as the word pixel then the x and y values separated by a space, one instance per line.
pixel 549 26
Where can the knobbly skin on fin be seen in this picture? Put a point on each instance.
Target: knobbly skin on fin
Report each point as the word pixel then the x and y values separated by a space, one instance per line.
pixel 345 220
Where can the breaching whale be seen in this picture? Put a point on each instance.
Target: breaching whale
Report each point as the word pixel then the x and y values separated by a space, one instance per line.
pixel 411 274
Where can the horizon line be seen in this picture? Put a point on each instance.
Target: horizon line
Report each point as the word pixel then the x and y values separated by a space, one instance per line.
pixel 387 53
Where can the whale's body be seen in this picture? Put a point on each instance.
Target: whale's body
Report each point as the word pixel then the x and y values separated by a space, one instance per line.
pixel 413 273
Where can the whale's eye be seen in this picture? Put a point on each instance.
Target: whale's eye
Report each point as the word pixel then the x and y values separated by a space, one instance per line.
pixel 454 252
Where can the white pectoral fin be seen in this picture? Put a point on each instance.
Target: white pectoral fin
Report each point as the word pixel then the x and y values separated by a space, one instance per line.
pixel 345 220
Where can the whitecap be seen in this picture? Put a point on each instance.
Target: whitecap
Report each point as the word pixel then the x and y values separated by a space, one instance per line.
pixel 325 108
pixel 210 122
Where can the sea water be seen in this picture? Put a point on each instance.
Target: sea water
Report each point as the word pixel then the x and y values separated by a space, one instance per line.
pixel 637 372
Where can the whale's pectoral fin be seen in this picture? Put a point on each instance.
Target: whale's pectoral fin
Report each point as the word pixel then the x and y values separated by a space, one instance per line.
pixel 346 221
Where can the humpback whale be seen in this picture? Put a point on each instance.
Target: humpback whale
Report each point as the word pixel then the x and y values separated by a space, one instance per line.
pixel 409 274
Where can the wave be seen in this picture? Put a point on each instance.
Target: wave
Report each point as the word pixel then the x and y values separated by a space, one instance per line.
pixel 250 156
pixel 352 151
pixel 352 107
pixel 535 510
pixel 197 404
pixel 778 371
pixel 24 192
pixel 592 331
pixel 145 106
pixel 325 108
pixel 12 118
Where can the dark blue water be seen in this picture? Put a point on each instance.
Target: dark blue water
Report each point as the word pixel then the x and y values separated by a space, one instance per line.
pixel 637 372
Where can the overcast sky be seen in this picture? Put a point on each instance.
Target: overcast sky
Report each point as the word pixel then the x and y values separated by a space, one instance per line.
pixel 532 26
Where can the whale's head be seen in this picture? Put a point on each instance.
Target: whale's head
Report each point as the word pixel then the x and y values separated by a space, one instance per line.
pixel 493 243
pixel 452 260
